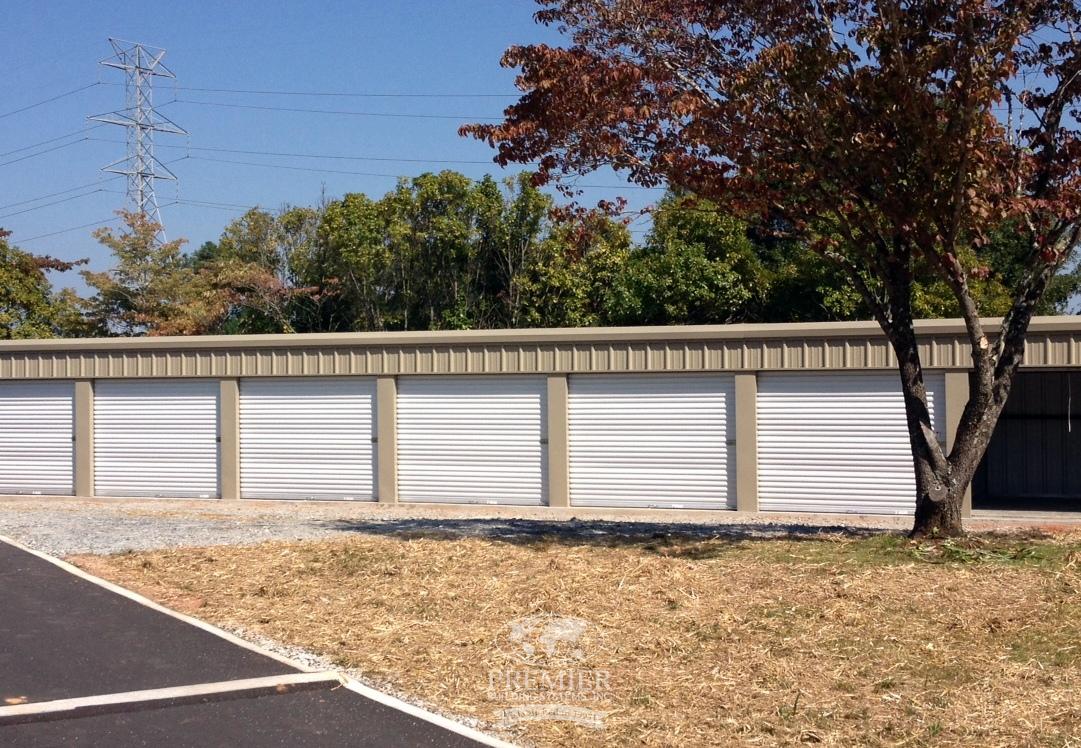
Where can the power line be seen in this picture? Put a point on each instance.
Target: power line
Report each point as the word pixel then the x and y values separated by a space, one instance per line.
pixel 42 153
pixel 297 168
pixel 345 94
pixel 214 204
pixel 456 117
pixel 50 140
pixel 486 162
pixel 61 192
pixel 46 101
pixel 208 203
pixel 52 59
pixel 65 231
pixel 54 202
pixel 217 206
pixel 388 176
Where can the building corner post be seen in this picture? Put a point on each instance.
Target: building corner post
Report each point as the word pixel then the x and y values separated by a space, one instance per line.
pixel 956 399
pixel 746 406
pixel 386 415
pixel 83 437
pixel 558 464
pixel 229 438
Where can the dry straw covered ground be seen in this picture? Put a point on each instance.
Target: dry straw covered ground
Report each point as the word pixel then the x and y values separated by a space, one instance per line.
pixel 702 641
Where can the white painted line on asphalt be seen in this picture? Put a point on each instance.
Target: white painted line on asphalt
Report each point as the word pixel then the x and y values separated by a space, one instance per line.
pixel 269 682
pixel 350 683
pixel 424 714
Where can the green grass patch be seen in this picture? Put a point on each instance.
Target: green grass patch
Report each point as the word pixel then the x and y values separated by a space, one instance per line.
pixel 884 549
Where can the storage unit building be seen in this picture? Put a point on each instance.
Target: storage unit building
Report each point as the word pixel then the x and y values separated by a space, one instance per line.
pixel 472 439
pixel 156 438
pixel 838 442
pixel 792 417
pixel 652 440
pixel 307 438
pixel 36 438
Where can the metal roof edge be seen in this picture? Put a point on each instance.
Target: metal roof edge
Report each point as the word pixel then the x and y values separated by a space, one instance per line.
pixel 529 336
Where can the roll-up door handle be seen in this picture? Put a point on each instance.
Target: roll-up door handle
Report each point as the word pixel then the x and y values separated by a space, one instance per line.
pixel 543 440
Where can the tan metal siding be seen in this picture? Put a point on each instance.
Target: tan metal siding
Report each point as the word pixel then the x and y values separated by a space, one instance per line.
pixel 1053 342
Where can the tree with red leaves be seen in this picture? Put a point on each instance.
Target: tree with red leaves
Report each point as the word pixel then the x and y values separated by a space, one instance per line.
pixel 891 136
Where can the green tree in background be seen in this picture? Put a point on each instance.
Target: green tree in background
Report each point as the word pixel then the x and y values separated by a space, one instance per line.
pixel 347 260
pixel 442 251
pixel 573 280
pixel 249 272
pixel 429 231
pixel 151 289
pixel 697 266
pixel 29 306
pixel 511 226
pixel 438 252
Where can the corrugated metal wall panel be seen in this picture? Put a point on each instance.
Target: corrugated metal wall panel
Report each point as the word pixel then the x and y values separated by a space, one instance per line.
pixel 156 438
pixel 307 438
pixel 36 450
pixel 472 439
pixel 838 442
pixel 652 440
pixel 818 350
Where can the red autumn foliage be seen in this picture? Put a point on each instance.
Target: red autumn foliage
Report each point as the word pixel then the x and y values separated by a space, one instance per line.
pixel 892 136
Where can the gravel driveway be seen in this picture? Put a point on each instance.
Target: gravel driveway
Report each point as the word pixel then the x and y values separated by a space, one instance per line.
pixel 69 526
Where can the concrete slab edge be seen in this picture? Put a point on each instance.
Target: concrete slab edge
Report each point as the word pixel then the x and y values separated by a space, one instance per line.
pixel 351 683
pixel 170 696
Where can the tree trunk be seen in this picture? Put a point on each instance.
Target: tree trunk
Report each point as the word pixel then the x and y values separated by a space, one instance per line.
pixel 939 496
pixel 938 508
pixel 941 485
pixel 940 490
pixel 942 480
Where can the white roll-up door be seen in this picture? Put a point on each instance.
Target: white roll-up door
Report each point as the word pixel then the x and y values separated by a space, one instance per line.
pixel 837 442
pixel 307 438
pixel 656 440
pixel 36 449
pixel 156 438
pixel 472 439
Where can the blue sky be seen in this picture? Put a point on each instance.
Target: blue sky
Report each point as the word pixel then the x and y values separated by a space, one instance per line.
pixel 364 46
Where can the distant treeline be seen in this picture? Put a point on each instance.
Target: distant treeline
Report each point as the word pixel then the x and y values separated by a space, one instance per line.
pixel 443 251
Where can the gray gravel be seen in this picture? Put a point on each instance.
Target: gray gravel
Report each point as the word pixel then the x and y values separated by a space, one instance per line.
pixel 66 529
pixel 71 526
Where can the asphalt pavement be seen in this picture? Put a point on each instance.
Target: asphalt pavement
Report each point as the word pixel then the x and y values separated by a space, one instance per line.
pixel 67 644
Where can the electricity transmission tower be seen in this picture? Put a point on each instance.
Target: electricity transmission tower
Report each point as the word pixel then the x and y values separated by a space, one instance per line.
pixel 141 64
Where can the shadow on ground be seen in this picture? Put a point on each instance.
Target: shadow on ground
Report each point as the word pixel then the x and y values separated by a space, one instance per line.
pixel 698 542
pixel 590 532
